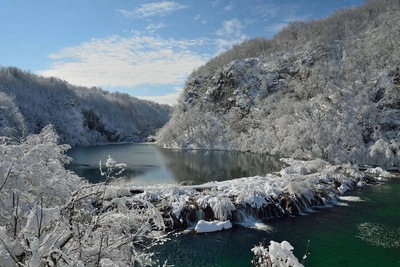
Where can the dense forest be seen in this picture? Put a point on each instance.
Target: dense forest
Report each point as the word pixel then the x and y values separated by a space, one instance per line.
pixel 326 88
pixel 80 115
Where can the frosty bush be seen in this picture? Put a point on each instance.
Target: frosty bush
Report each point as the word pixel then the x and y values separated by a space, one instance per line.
pixel 276 255
pixel 51 217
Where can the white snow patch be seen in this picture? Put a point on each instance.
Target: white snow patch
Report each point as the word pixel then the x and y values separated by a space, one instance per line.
pixel 214 226
pixel 379 171
pixel 361 184
pixel 350 198
pixel 343 188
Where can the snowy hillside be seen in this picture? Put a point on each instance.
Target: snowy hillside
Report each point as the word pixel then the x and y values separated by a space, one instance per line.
pixel 81 115
pixel 326 89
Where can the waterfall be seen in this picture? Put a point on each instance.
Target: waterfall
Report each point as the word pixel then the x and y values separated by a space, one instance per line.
pixel 255 198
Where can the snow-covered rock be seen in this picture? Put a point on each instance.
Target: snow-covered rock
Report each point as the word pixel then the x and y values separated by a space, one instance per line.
pixel 214 226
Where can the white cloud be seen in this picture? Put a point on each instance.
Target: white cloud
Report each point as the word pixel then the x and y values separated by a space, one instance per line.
pixel 230 28
pixel 269 11
pixel 275 27
pixel 227 8
pixel 153 27
pixel 169 99
pixel 230 33
pixel 197 17
pixel 153 9
pixel 127 62
pixel 214 3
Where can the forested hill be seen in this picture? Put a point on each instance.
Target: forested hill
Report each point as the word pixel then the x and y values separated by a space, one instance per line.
pixel 80 115
pixel 327 88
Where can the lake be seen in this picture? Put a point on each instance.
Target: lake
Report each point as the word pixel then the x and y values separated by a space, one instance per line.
pixel 362 232
pixel 148 164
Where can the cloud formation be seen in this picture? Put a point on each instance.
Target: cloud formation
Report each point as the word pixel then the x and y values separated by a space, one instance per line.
pixel 227 8
pixel 230 33
pixel 153 27
pixel 127 62
pixel 232 28
pixel 169 99
pixel 153 9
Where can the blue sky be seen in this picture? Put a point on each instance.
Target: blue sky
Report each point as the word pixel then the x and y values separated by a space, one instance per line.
pixel 143 48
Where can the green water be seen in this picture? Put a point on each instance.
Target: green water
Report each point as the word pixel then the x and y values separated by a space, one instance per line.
pixel 365 233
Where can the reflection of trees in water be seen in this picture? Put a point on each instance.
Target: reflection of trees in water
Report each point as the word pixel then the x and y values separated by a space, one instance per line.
pixel 202 166
pixel 92 173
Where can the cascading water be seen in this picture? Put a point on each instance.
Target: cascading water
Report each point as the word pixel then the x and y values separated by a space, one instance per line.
pixel 288 193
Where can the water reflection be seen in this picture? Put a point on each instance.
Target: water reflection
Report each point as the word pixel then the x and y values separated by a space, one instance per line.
pixel 149 164
pixel 202 166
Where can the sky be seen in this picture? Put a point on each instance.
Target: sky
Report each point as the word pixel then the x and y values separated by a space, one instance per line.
pixel 144 48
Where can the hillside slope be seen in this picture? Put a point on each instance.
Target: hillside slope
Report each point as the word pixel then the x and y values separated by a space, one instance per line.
pixel 327 88
pixel 81 116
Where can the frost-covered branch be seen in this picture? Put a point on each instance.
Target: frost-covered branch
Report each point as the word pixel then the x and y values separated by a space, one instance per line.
pixel 52 217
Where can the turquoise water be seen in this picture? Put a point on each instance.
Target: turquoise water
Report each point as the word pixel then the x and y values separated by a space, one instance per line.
pixel 362 233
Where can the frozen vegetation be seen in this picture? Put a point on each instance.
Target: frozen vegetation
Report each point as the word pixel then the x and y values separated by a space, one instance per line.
pixel 326 88
pixel 276 255
pixel 80 115
pixel 297 189
pixel 51 217
pixel 324 92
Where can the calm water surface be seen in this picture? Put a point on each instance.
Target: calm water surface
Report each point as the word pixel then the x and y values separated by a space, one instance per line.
pixel 362 233
pixel 148 164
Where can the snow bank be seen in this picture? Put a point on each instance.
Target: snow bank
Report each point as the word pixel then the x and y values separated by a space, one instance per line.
pixel 214 226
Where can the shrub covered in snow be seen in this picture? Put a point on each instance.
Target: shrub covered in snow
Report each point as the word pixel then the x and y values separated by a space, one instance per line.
pixel 51 217
pixel 276 255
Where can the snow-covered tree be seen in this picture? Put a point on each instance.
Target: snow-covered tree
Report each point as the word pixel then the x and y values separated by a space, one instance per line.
pixel 51 217
pixel 326 88
pixel 80 115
